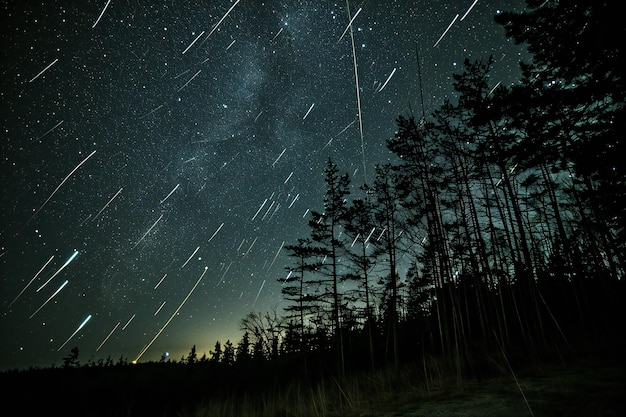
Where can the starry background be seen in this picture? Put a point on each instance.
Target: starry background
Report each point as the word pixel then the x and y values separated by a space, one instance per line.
pixel 158 156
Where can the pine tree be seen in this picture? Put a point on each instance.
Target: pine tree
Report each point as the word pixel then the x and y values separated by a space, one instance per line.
pixel 387 195
pixel 258 352
pixel 216 354
pixel 420 296
pixel 228 355
pixel 71 360
pixel 325 232
pixel 360 225
pixel 576 90
pixel 243 348
pixel 419 181
pixel 193 356
pixel 297 290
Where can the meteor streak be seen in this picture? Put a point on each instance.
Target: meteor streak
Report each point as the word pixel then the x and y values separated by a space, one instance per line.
pixel 74 255
pixel 294 200
pixel 259 293
pixel 250 248
pixel 346 128
pixel 274 212
pixel 215 233
pixel 109 335
pixel 171 192
pixel 259 210
pixel 349 25
pixel 275 36
pixel 181 74
pixel 101 14
pixel 43 70
pixel 128 322
pixel 280 156
pixel 308 111
pixel 388 78
pixel 358 90
pixel 60 185
pixel 50 130
pixel 268 210
pixel 159 283
pixel 224 274
pixel 159 309
pixel 190 256
pixel 109 202
pixel 152 111
pixel 188 81
pixel 277 253
pixel 494 87
pixel 469 10
pixel 151 227
pixel 31 281
pixel 194 41
pixel 77 330
pixel 171 317
pixel 221 20
pixel 50 298
pixel 446 31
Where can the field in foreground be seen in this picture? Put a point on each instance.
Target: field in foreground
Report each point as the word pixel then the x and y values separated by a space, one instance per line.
pixel 580 390
pixel 589 388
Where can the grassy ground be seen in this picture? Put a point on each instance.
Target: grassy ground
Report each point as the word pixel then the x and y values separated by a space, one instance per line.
pixel 573 389
pixel 583 390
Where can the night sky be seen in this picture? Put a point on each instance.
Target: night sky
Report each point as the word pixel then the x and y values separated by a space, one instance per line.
pixel 157 156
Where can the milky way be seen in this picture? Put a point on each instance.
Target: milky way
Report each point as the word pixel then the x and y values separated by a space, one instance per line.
pixel 158 156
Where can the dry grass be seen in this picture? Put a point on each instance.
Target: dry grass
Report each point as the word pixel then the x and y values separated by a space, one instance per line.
pixel 558 391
